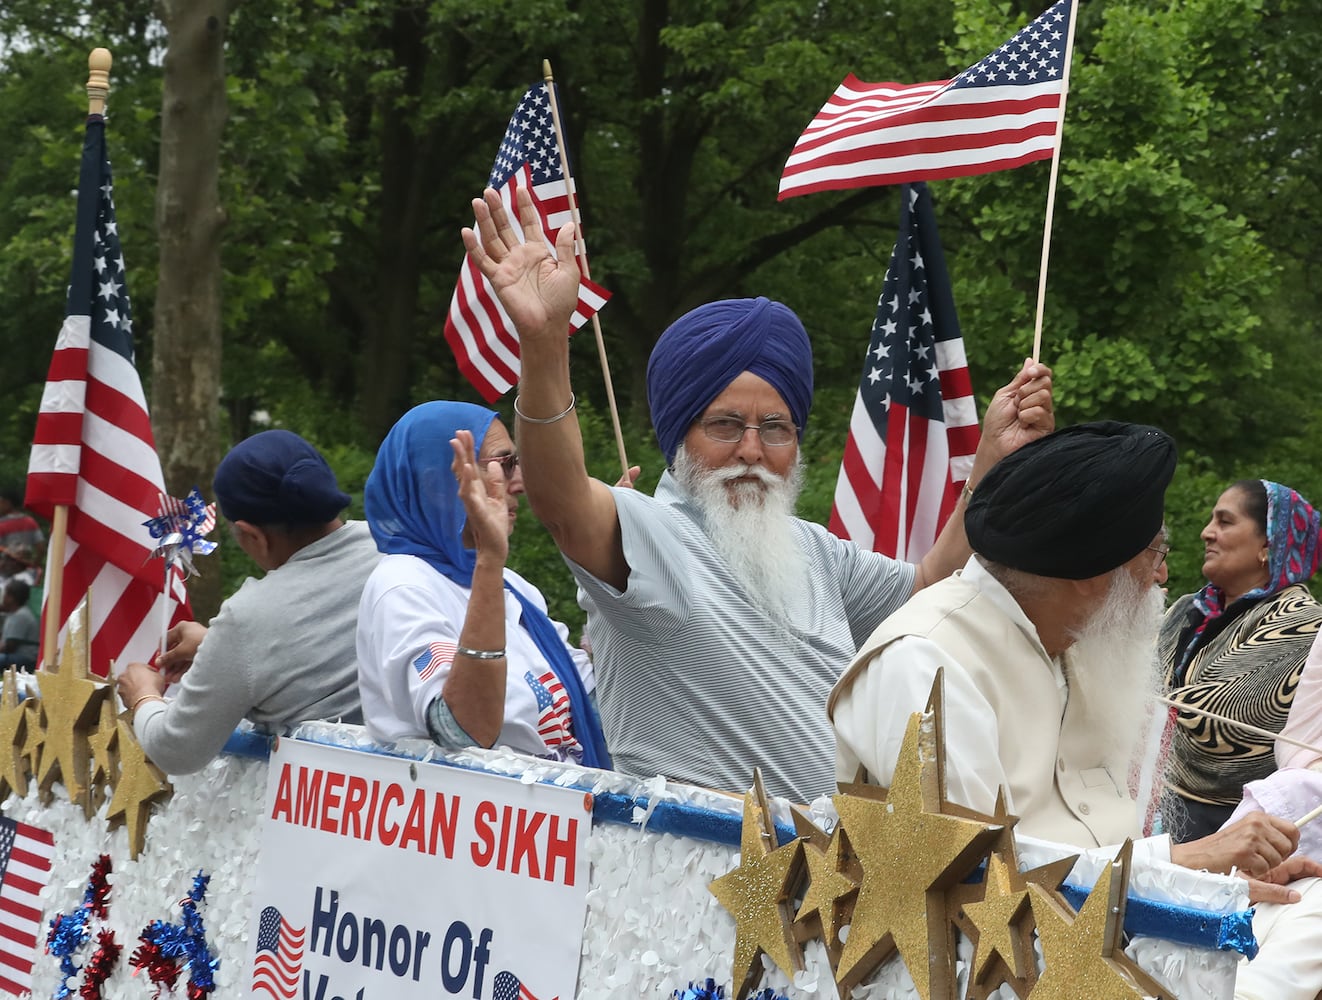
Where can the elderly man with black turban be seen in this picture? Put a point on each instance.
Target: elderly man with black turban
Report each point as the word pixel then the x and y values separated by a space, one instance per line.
pixel 718 621
pixel 281 650
pixel 1047 639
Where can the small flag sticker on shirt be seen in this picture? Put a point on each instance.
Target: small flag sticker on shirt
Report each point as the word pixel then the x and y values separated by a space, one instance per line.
pixel 435 656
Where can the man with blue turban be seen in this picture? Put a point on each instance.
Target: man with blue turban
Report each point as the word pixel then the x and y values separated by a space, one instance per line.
pixel 718 620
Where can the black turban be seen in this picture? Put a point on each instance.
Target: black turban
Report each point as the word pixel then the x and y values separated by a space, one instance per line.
pixel 1074 504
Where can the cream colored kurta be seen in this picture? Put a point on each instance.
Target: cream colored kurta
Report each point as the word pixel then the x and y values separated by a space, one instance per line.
pixel 1009 719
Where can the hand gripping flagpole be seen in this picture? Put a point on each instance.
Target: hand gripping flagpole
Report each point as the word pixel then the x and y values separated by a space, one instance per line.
pixel 581 248
pixel 1051 186
pixel 98 88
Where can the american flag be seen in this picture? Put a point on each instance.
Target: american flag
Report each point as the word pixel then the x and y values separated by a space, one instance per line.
pixel 433 658
pixel 279 961
pixel 481 335
pixel 508 986
pixel 553 709
pixel 914 428
pixel 93 450
pixel 25 862
pixel 1001 112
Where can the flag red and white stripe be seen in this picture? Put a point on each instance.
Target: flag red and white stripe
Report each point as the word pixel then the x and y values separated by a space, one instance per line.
pixel 93 450
pixel 914 428
pixel 25 864
pixel 1002 112
pixel 479 331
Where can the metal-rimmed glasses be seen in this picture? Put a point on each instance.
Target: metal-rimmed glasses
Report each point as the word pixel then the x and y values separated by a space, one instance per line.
pixel 509 464
pixel 1162 552
pixel 731 430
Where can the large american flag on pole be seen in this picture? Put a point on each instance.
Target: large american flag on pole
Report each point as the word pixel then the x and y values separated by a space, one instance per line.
pixel 93 450
pixel 1002 112
pixel 914 429
pixel 480 333
pixel 25 863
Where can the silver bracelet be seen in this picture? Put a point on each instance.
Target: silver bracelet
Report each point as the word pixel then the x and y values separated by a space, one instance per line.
pixel 545 420
pixel 480 654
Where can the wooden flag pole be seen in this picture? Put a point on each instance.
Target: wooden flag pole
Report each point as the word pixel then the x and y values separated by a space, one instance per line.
pixel 98 89
pixel 1051 186
pixel 581 248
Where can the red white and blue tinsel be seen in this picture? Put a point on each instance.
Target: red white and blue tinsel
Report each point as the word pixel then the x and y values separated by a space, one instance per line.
pixel 713 992
pixel 181 530
pixel 70 932
pixel 166 949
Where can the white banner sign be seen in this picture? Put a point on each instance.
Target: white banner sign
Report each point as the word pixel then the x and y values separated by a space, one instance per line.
pixel 382 878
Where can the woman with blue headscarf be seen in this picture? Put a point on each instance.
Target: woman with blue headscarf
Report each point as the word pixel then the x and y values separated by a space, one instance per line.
pixel 452 645
pixel 1237 648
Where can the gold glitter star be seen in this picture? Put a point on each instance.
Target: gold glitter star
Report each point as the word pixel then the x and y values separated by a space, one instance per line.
pixel 1003 931
pixel 1084 954
pixel 910 854
pixel 104 744
pixel 14 765
pixel 140 783
pixel 830 887
pixel 71 705
pixel 759 894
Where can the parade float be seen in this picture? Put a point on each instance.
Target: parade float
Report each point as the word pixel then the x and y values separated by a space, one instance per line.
pixel 322 866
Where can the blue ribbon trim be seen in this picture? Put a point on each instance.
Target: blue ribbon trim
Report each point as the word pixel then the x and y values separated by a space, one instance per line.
pixel 1181 924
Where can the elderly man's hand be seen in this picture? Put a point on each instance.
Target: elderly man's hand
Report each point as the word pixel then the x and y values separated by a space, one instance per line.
pixel 138 681
pixel 1019 412
pixel 1274 886
pixel 1255 845
pixel 538 288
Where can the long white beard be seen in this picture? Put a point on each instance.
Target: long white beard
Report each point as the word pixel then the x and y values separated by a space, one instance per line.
pixel 1115 674
pixel 750 525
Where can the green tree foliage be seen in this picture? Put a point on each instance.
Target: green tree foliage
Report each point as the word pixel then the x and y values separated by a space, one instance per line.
pixel 1183 275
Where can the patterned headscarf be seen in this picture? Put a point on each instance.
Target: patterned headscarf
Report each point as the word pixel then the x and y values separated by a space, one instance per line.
pixel 1292 546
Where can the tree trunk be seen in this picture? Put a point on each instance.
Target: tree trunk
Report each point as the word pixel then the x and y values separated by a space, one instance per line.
pixel 185 397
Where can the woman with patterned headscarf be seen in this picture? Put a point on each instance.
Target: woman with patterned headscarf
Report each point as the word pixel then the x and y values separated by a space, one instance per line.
pixel 1237 647
pixel 452 645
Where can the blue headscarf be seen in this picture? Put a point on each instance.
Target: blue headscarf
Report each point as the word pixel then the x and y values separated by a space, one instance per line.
pixel 413 508
pixel 706 349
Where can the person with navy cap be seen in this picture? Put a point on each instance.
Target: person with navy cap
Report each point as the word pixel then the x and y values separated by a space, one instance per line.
pixel 281 650
pixel 718 621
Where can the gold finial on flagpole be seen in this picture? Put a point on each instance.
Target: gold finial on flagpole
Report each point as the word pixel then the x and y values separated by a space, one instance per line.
pixel 98 81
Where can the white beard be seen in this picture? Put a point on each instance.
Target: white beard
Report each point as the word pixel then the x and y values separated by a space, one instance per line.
pixel 750 526
pixel 1115 674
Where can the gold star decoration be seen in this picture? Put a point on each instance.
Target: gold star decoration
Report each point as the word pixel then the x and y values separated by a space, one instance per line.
pixel 759 894
pixel 71 704
pixel 140 784
pixel 104 744
pixel 14 764
pixel 910 853
pixel 1004 932
pixel 830 888
pixel 1084 955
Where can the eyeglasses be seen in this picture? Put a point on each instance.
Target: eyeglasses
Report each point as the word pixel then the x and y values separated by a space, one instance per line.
pixel 1162 552
pixel 508 463
pixel 731 430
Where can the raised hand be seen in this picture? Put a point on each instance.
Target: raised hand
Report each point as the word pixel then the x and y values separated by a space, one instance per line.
pixel 482 492
pixel 538 288
pixel 1020 412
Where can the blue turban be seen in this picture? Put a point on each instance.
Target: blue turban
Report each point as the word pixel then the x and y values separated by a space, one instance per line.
pixel 276 477
pixel 706 349
pixel 412 497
